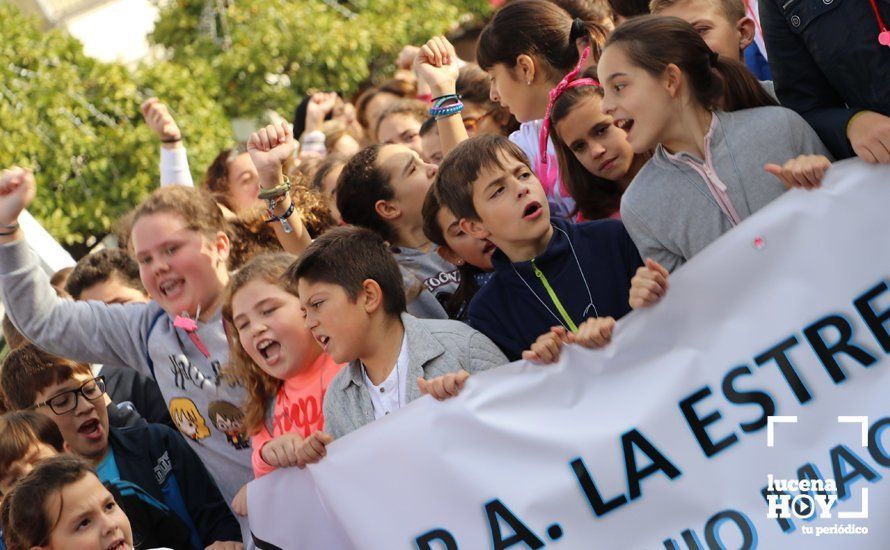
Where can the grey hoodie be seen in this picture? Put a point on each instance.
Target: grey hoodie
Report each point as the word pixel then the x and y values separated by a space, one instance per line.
pixel 668 209
pixel 141 336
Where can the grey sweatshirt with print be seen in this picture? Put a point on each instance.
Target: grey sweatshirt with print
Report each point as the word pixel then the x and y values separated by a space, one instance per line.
pixel 141 336
pixel 429 281
pixel 668 209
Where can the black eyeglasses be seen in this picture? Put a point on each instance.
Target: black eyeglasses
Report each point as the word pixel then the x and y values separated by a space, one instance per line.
pixel 66 401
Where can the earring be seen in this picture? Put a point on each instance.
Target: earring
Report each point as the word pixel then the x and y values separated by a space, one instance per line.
pixel 460 262
pixel 528 82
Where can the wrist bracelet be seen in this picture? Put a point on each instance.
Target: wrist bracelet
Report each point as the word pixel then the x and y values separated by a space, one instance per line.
pixel 438 101
pixel 443 112
pixel 283 218
pixel 276 192
pixel 172 140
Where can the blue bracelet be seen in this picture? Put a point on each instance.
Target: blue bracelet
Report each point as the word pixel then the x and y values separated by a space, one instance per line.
pixel 441 112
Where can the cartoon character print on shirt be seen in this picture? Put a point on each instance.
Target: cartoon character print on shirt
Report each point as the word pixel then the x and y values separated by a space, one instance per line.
pixel 227 418
pixel 187 418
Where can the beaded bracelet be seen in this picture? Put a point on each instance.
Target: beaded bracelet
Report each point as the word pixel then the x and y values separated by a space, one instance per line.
pixel 446 105
pixel 445 112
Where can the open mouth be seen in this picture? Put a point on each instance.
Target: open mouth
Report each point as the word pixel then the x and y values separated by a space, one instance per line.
pixel 323 340
pixel 91 429
pixel 625 124
pixel 269 349
pixel 119 544
pixel 171 288
pixel 532 211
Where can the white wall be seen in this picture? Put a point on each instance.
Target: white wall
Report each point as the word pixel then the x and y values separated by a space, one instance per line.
pixel 115 31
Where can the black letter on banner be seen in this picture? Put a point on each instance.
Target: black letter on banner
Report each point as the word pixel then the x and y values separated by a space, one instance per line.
pixel 521 534
pixel 873 319
pixel 784 524
pixel 738 397
pixel 441 535
pixel 826 353
pixel 689 538
pixel 742 522
pixel 840 474
pixel 633 440
pixel 778 354
pixel 600 508
pixel 699 424
pixel 875 448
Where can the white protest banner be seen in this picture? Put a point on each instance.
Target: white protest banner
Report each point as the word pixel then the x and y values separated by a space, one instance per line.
pixel 661 439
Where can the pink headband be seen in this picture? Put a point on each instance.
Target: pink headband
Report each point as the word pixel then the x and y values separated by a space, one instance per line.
pixel 568 82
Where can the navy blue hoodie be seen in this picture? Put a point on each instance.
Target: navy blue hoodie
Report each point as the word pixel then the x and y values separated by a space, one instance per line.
pixel 159 460
pixel 505 309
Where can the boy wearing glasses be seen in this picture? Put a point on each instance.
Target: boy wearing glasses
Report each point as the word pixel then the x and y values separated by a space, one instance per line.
pixel 152 456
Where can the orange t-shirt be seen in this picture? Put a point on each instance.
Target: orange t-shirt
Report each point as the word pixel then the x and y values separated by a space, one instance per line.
pixel 298 408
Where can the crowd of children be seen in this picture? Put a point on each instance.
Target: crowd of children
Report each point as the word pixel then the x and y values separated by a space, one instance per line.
pixel 457 217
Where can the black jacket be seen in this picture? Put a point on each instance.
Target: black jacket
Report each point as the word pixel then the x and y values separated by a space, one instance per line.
pixel 159 460
pixel 827 63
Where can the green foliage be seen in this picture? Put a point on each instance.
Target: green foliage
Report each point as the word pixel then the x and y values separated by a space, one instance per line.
pixel 268 53
pixel 76 121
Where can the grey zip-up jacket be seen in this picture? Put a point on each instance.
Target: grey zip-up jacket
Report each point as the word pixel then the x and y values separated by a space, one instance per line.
pixel 670 210
pixel 140 336
pixel 435 348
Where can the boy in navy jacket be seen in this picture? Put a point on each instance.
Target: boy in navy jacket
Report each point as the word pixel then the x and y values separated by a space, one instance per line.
pixel 554 281
pixel 152 457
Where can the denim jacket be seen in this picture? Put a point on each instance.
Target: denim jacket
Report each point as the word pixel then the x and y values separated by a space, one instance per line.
pixel 827 63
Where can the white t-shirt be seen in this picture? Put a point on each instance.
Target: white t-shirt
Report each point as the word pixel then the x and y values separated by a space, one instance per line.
pixel 391 394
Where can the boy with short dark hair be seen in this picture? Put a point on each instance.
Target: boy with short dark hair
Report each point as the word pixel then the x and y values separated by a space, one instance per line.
pixel 152 456
pixel 27 437
pixel 554 281
pixel 352 292
pixel 111 276
pixel 725 27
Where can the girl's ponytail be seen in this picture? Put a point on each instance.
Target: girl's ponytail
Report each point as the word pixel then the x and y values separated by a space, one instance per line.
pixel 538 28
pixel 654 42
pixel 741 90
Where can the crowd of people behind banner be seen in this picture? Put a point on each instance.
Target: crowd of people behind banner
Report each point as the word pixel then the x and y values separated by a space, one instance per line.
pixel 447 221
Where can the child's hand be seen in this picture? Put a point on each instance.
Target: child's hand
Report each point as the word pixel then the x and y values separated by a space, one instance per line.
pixel 406 57
pixel 319 106
pixel 269 147
pixel 284 451
pixel 805 171
pixel 314 448
pixel 546 348
pixel 239 503
pixel 595 332
pixel 436 63
pixel 159 119
pixel 17 190
pixel 443 387
pixel 869 134
pixel 649 285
